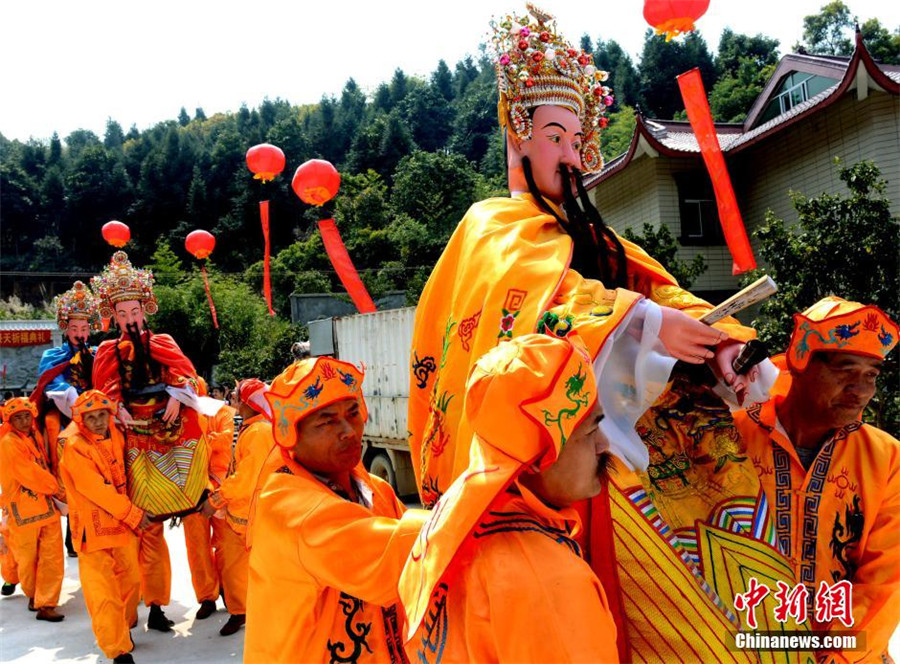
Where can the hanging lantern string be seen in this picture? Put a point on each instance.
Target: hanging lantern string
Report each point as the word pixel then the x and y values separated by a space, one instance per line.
pixel 212 306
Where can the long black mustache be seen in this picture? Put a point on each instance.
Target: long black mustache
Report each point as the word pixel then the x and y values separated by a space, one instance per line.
pixel 87 358
pixel 597 253
pixel 142 359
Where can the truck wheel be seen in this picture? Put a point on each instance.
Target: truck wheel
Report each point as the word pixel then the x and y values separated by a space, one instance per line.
pixel 380 466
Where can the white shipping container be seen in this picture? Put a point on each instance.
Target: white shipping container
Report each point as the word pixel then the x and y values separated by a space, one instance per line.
pixel 381 341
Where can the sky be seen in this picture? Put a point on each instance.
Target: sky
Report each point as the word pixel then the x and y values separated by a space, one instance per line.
pixel 72 65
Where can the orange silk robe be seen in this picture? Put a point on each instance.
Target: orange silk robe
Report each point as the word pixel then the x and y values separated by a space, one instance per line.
pixel 219 437
pixel 27 481
pixel 838 520
pixel 93 468
pixel 253 446
pixel 324 572
pixel 506 272
pixel 518 591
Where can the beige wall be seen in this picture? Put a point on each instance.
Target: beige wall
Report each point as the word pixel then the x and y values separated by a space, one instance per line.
pixel 798 158
pixel 646 191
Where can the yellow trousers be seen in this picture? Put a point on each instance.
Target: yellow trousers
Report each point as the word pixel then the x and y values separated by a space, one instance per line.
pixel 233 565
pixel 111 583
pixel 8 568
pixel 39 558
pixel 217 560
pixel 155 566
pixel 201 558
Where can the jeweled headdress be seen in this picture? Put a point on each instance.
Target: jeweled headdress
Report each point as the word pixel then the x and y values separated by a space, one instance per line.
pixel 120 282
pixel 536 67
pixel 78 303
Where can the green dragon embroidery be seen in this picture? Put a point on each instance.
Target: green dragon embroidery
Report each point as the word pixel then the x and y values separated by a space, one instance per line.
pixel 574 389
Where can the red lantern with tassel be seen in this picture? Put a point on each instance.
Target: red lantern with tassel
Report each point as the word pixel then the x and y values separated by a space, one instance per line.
pixel 674 17
pixel 200 244
pixel 265 161
pixel 116 233
pixel 316 182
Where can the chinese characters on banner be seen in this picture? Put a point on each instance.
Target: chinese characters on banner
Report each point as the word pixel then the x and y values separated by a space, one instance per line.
pixel 832 602
pixel 13 338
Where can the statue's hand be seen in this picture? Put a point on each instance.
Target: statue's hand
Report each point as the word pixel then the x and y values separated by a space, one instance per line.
pixel 686 338
pixel 173 407
pixel 726 354
pixel 125 417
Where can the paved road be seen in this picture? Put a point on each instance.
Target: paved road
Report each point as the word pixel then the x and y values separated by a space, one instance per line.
pixel 27 641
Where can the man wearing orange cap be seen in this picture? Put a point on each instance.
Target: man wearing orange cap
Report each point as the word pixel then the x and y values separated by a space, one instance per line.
pixel 495 574
pixel 28 491
pixel 834 482
pixel 232 500
pixel 65 372
pixel 105 523
pixel 329 540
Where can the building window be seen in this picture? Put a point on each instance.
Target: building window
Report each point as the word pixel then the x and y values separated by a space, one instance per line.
pixel 796 88
pixel 698 210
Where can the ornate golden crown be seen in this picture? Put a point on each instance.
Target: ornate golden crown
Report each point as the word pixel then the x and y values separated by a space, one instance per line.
pixel 77 303
pixel 120 282
pixel 535 67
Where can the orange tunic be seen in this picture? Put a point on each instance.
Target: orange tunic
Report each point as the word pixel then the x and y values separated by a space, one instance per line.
pixel 253 446
pixel 27 482
pixel 219 437
pixel 324 571
pixel 838 520
pixel 518 591
pixel 93 468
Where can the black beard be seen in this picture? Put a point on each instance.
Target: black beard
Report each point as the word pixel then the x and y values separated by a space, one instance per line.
pixel 142 360
pixel 87 358
pixel 597 252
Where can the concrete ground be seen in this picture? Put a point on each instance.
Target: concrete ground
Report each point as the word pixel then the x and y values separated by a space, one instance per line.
pixel 27 641
pixel 24 640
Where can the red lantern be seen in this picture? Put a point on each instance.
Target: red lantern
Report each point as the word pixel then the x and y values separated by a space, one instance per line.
pixel 116 233
pixel 265 161
pixel 200 244
pixel 674 17
pixel 316 182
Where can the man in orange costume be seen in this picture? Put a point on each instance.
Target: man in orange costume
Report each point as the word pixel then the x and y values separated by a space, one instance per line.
pixel 105 523
pixel 834 482
pixel 8 569
pixel 156 389
pixel 544 261
pixel 230 501
pixel 496 574
pixel 199 532
pixel 65 372
pixel 329 540
pixel 29 489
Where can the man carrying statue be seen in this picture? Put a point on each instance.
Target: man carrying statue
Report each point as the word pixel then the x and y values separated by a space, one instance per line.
pixel 65 371
pixel 155 388
pixel 543 261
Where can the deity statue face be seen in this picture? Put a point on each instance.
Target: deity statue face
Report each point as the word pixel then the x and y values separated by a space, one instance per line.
pixel 77 331
pixel 130 313
pixel 556 141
